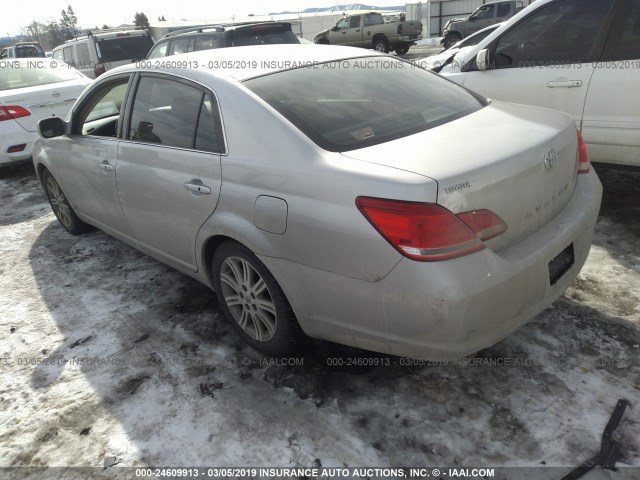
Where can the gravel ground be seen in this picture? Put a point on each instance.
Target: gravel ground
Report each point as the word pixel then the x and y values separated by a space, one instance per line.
pixel 111 359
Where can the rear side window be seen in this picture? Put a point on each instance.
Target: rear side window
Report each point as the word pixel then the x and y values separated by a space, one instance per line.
pixel 503 9
pixel 355 103
pixel 57 55
pixel 82 50
pixel 172 113
pixel 118 49
pixel 559 33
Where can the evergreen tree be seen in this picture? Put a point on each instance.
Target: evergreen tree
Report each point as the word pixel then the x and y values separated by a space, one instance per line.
pixel 141 20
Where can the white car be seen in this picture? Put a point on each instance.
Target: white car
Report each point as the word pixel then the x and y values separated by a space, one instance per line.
pixel 578 56
pixel 30 90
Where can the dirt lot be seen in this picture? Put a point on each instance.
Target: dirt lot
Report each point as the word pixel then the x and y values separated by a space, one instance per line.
pixel 111 359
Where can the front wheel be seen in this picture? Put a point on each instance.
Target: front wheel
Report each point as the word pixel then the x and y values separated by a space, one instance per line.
pixel 451 39
pixel 381 45
pixel 253 301
pixel 61 207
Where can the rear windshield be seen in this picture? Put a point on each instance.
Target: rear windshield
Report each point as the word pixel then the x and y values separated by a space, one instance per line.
pixel 42 74
pixel 359 102
pixel 261 35
pixel 24 51
pixel 117 49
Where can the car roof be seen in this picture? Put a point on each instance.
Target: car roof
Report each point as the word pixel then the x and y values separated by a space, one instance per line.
pixel 243 63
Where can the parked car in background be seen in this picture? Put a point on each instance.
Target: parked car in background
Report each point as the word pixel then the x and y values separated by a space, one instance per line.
pixel 369 30
pixel 437 62
pixel 31 90
pixel 220 36
pixel 458 28
pixel 340 218
pixel 577 56
pixel 22 50
pixel 101 50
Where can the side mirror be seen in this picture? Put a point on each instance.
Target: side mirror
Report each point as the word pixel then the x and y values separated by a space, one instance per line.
pixel 52 127
pixel 334 28
pixel 482 59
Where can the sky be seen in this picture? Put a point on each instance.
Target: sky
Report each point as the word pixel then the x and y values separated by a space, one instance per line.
pixel 116 12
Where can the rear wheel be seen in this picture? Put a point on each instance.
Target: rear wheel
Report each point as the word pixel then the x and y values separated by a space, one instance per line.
pixel 402 49
pixel 451 39
pixel 381 45
pixel 253 301
pixel 61 207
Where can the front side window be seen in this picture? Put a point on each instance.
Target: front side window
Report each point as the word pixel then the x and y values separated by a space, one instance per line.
pixel 57 55
pixel 165 112
pixel 561 32
pixel 180 45
pixel 485 11
pixel 358 105
pixel 343 24
pixel 99 113
pixel 159 50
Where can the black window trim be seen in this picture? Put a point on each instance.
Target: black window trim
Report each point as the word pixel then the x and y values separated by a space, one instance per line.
pixel 82 106
pixel 186 81
pixel 616 29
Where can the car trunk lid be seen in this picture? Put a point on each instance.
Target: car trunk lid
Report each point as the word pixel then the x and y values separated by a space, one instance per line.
pixel 519 162
pixel 42 101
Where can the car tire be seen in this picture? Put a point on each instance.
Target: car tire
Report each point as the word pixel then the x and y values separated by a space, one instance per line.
pixel 451 39
pixel 381 45
pixel 402 49
pixel 253 302
pixel 61 207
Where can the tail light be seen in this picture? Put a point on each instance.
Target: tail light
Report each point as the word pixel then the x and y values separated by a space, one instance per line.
pixel 12 112
pixel 428 232
pixel 582 160
pixel 99 69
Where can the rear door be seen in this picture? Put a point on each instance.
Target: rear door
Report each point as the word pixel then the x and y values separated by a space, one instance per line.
pixel 547 59
pixel 611 120
pixel 169 172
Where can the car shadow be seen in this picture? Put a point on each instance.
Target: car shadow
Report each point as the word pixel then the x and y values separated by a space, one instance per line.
pixel 21 192
pixel 162 362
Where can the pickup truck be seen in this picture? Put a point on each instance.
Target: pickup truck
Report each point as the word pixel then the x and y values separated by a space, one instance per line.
pixel 458 28
pixel 369 30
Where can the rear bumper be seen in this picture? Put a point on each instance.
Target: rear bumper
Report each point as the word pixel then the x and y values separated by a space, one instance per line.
pixel 444 310
pixel 13 134
pixel 409 38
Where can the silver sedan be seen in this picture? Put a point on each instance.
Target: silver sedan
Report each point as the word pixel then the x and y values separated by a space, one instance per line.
pixel 330 191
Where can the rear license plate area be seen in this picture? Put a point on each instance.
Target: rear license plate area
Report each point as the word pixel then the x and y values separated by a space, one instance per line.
pixel 561 264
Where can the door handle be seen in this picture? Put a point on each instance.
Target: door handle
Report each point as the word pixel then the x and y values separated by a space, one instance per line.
pixel 565 84
pixel 197 187
pixel 357 30
pixel 344 33
pixel 106 166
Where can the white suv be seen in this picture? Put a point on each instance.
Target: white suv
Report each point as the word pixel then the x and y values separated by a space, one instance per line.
pixel 101 50
pixel 578 56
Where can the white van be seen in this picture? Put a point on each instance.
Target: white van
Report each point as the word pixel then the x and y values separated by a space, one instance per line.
pixel 101 50
pixel 578 56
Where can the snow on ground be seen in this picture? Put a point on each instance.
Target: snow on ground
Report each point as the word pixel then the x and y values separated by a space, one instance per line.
pixel 110 359
pixel 429 42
